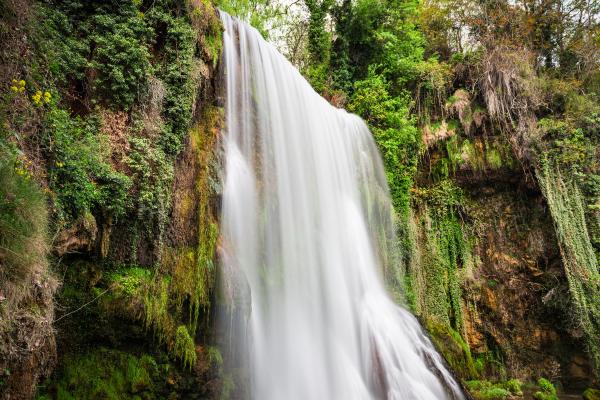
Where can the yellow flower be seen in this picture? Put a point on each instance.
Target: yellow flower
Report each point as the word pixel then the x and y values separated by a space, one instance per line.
pixel 59 164
pixel 47 97
pixel 21 86
pixel 37 98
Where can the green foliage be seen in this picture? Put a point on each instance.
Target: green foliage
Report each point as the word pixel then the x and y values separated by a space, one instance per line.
pixel 176 71
pixel 143 61
pixel 187 274
pixel 318 37
pixel 79 175
pixel 109 38
pixel 444 250
pixel 214 356
pixel 107 374
pixel 319 43
pixel 23 218
pixel 547 390
pixel 463 154
pixel 185 349
pixel 581 266
pixel 569 145
pixel 120 56
pixel 264 15
pixel 453 348
pixel 156 309
pixel 546 386
pixel 378 33
pixel 152 171
pixel 486 390
pixel 493 393
pixel 591 394
pixel 514 386
pixel 394 131
pixel 129 280
pixel 398 140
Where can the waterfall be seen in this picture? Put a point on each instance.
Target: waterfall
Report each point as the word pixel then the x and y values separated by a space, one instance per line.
pixel 306 219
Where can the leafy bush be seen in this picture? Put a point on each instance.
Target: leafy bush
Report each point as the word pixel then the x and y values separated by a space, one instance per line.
pixel 514 386
pixel 394 131
pixel 547 390
pixel 79 176
pixel 175 70
pixel 121 56
pixel 100 46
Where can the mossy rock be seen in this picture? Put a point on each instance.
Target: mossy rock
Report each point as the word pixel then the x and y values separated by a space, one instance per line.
pixel 547 390
pixel 107 374
pixel 493 393
pixel 486 390
pixel 454 349
pixel 591 394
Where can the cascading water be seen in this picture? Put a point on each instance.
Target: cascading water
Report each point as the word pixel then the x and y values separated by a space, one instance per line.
pixel 305 213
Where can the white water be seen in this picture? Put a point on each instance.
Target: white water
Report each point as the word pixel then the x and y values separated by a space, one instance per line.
pixel 305 213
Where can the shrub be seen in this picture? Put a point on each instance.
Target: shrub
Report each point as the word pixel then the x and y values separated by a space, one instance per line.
pixel 514 386
pixel 100 46
pixel 547 390
pixel 79 177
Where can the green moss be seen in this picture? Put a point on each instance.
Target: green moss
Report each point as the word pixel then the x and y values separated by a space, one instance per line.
pixel 591 394
pixel 454 349
pixel 186 276
pixel 567 207
pixel 106 374
pixel 473 385
pixel 214 357
pixel 486 390
pixel 156 309
pixel 547 390
pixel 544 396
pixel 493 393
pixel 129 280
pixel 514 386
pixel 493 158
pixel 444 250
pixel 546 386
pixel 185 348
pixel 205 18
pixel 471 155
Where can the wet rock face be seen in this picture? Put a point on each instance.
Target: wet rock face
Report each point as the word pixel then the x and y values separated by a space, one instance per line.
pixel 517 298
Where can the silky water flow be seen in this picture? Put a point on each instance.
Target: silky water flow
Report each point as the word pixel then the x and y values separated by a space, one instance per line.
pixel 307 222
